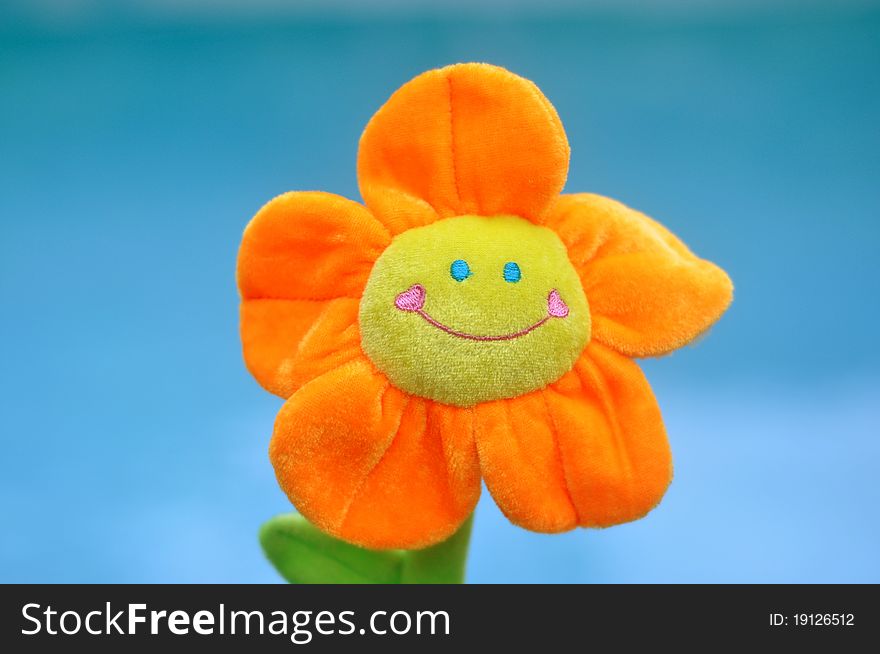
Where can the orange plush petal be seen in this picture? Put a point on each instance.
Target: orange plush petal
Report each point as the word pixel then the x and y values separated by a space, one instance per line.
pixel 648 293
pixel 589 450
pixel 522 464
pixel 465 139
pixel 303 263
pixel 373 466
pixel 309 246
pixel 287 343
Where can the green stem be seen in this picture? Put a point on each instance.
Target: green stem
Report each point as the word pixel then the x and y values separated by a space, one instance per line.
pixel 303 554
pixel 443 563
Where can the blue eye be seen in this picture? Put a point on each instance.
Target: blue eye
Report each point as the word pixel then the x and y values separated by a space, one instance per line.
pixel 512 272
pixel 459 270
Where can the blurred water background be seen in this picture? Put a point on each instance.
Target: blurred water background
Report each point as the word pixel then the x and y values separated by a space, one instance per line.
pixel 136 140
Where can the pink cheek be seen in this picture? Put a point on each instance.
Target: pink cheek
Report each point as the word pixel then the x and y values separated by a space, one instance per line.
pixel 556 306
pixel 412 299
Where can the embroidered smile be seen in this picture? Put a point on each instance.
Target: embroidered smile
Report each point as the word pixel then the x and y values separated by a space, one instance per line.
pixel 413 301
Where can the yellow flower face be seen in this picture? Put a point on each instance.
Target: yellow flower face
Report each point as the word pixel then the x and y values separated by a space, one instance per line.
pixel 472 309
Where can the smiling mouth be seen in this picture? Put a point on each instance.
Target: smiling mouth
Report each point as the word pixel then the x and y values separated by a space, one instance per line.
pixel 413 301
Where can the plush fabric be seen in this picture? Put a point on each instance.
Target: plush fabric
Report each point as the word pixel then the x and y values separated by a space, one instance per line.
pixel 302 266
pixel 369 464
pixel 466 139
pixel 589 450
pixel 648 293
pixel 481 337
pixel 416 360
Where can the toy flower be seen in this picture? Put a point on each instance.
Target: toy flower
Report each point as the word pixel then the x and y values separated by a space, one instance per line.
pixel 468 324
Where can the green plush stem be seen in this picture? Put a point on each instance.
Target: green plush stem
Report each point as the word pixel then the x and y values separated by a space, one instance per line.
pixel 305 555
pixel 443 563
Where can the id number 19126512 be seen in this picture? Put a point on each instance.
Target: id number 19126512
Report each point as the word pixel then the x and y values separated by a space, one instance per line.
pixel 812 620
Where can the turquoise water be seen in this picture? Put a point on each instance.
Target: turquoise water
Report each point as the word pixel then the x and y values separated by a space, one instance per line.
pixel 133 153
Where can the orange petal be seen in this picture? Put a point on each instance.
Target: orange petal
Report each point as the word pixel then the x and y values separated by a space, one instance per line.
pixel 287 343
pixel 309 246
pixel 303 262
pixel 465 139
pixel 648 293
pixel 611 435
pixel 589 450
pixel 521 463
pixel 372 466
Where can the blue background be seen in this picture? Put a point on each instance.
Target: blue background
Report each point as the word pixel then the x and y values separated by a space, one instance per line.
pixel 136 140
